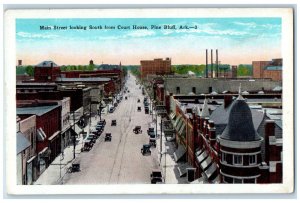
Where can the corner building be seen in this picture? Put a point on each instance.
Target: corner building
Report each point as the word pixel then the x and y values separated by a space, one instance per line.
pixel 240 147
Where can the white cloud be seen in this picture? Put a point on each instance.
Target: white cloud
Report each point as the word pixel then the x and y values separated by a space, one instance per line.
pixel 35 35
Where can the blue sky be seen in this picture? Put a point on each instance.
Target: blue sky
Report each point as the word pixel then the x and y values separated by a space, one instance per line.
pixel 239 40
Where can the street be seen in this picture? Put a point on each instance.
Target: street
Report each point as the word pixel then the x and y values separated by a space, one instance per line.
pixel 119 161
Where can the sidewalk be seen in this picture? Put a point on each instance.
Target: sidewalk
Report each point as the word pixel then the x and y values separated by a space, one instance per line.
pixel 168 164
pixel 54 174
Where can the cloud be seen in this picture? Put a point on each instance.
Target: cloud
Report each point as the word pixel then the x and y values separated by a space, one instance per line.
pixel 34 35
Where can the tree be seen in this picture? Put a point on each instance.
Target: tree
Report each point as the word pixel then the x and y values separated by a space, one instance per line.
pixel 29 70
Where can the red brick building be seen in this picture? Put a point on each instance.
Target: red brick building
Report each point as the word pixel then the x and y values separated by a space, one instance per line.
pixel 46 71
pixel 156 66
pixel 48 124
pixel 268 69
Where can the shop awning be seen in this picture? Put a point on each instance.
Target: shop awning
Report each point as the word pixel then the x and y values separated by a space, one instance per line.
pixel 54 135
pixel 176 121
pixel 198 181
pixel 206 163
pixel 183 169
pixel 179 153
pixel 199 151
pixel 31 159
pixel 41 136
pixel 172 115
pixel 202 157
pixel 179 124
pixel 182 130
pixel 45 152
pixel 211 170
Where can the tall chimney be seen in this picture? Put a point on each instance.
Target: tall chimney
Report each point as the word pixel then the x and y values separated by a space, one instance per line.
pixel 217 63
pixel 206 65
pixel 211 65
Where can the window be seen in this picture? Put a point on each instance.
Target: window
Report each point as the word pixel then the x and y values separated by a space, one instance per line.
pixel 251 180
pixel 237 180
pixel 227 179
pixel 252 159
pixel 237 159
pixel 224 156
pixel 194 90
pixel 177 90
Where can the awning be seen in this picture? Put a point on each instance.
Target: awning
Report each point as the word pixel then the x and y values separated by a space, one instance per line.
pixel 210 171
pixel 206 163
pixel 182 130
pixel 22 142
pixel 54 135
pixel 179 124
pixel 198 151
pixel 73 133
pixel 172 115
pixel 176 121
pixel 216 179
pixel 202 156
pixel 183 169
pixel 41 136
pixel 44 152
pixel 198 181
pixel 179 153
pixel 78 129
pixel 31 159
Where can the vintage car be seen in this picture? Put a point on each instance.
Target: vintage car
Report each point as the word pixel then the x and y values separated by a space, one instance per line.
pixel 146 149
pixel 101 122
pixel 113 122
pixel 137 129
pixel 139 108
pixel 156 176
pixel 152 142
pixel 146 110
pixel 138 100
pixel 107 137
pixel 150 130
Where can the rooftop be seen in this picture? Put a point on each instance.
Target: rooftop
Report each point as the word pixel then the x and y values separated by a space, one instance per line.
pixel 38 110
pixel 47 64
pixel 93 79
pixel 22 142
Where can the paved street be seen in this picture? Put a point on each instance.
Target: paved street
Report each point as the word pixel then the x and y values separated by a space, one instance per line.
pixel 119 161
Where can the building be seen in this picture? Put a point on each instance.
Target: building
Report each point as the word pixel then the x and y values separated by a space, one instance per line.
pixel 26 133
pixel 268 69
pixel 48 141
pixel 46 71
pixel 227 142
pixel 156 66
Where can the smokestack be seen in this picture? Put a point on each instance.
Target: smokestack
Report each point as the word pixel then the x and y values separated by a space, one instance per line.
pixel 206 65
pixel 211 65
pixel 217 63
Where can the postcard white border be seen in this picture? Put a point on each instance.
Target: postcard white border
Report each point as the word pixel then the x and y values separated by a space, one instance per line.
pixel 288 106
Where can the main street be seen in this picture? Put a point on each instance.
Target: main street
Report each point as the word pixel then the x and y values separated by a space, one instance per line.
pixel 119 161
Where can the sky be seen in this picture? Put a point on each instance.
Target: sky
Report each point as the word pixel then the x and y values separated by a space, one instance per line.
pixel 238 40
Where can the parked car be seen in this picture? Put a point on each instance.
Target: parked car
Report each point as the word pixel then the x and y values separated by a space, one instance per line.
pixel 113 122
pixel 138 100
pixel 146 149
pixel 146 110
pixel 107 137
pixel 139 108
pixel 137 129
pixel 103 121
pixel 152 142
pixel 111 110
pixel 156 176
pixel 150 130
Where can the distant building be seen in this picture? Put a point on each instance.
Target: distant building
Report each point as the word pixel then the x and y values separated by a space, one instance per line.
pixel 91 62
pixel 46 71
pixel 268 69
pixel 19 62
pixel 156 66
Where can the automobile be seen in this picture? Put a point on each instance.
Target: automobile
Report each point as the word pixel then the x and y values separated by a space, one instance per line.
pixel 137 129
pixel 156 176
pixel 107 137
pixel 146 104
pixel 111 110
pixel 96 132
pixel 138 100
pixel 125 98
pixel 146 110
pixel 87 145
pixel 150 130
pixel 152 143
pixel 103 121
pixel 152 136
pixel 145 99
pixel 91 138
pixel 113 122
pixel 99 127
pixel 128 91
pixel 139 108
pixel 146 149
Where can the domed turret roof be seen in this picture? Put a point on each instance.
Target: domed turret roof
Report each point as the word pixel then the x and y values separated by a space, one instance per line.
pixel 240 125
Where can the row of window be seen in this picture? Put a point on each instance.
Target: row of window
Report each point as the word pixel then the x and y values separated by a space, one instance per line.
pixel 236 159
pixel 238 180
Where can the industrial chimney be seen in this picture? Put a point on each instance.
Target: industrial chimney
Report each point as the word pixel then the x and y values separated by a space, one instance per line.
pixel 211 65
pixel 206 65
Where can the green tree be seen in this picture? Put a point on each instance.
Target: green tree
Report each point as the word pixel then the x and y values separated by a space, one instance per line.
pixel 29 70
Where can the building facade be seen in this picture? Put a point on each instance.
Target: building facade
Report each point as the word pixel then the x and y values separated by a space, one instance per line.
pixel 268 69
pixel 156 66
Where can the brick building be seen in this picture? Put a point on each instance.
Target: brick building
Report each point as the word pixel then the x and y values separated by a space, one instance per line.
pixel 227 142
pixel 268 69
pixel 156 66
pixel 48 143
pixel 46 71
